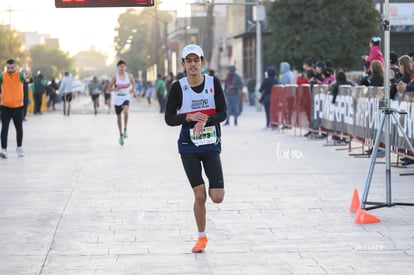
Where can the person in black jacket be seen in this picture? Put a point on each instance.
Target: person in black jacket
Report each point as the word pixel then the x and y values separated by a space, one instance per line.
pixel 39 89
pixel 52 89
pixel 340 79
pixel 266 89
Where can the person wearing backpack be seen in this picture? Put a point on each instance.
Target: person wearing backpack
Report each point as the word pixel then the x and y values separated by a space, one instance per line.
pixel 39 89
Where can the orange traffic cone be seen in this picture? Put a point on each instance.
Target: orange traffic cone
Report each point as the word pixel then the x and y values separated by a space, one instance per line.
pixel 362 217
pixel 355 202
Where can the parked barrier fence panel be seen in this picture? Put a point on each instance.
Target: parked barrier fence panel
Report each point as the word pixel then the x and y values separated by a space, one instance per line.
pixel 277 105
pixel 343 109
pixel 356 111
pixel 290 106
pixel 303 106
pixel 404 102
pixel 324 112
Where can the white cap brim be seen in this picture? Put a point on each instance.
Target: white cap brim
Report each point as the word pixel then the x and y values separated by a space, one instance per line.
pixel 192 49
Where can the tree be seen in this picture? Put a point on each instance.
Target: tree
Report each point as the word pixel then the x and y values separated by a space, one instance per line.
pixel 322 29
pixel 49 61
pixel 140 40
pixel 130 43
pixel 10 46
pixel 91 63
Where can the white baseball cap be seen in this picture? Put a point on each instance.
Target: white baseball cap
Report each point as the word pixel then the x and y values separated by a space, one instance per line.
pixel 192 48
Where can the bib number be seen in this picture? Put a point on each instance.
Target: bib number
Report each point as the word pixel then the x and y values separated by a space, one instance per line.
pixel 208 136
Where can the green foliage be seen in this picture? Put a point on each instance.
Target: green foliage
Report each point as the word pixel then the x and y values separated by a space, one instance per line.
pixel 10 47
pixel 321 29
pixel 51 62
pixel 139 39
pixel 91 63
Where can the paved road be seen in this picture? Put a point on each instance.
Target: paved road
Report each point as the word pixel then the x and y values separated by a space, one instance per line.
pixel 79 203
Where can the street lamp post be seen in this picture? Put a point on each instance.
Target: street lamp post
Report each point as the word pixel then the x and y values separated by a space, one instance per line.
pixel 259 15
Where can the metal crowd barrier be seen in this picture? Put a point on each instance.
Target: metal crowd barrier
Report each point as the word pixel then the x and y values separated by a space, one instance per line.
pixel 355 113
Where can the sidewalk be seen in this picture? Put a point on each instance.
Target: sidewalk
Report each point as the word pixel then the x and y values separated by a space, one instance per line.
pixel 79 203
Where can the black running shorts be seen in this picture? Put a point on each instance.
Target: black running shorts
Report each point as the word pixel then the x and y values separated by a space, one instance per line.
pixel 212 168
pixel 119 108
pixel 67 97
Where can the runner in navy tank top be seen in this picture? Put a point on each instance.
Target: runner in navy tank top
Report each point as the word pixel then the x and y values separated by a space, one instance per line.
pixel 197 104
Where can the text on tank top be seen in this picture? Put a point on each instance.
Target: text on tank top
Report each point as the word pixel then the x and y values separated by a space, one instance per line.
pixel 193 102
pixel 203 102
pixel 123 84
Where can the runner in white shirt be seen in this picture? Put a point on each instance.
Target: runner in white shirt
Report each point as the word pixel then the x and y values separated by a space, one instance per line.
pixel 122 83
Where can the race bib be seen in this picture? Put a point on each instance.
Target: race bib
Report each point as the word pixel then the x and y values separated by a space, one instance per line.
pixel 209 136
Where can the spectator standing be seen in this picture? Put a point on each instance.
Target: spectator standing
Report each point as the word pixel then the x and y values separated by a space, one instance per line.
pixel 340 79
pixel 39 89
pixel 160 90
pixel 301 78
pixel 251 89
pixel 377 74
pixel 408 87
pixel 320 66
pixel 404 73
pixel 411 55
pixel 367 74
pixel 53 87
pixel 286 75
pixel 12 95
pixel 394 68
pixel 168 82
pixel 65 89
pixel 328 74
pixel 233 88
pixel 266 89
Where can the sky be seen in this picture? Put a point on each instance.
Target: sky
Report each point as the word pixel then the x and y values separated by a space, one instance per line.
pixel 77 29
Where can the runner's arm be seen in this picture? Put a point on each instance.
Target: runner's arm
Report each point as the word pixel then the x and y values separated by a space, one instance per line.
pixel 132 81
pixel 174 101
pixel 111 85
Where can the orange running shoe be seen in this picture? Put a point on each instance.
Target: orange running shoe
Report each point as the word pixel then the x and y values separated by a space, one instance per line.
pixel 200 246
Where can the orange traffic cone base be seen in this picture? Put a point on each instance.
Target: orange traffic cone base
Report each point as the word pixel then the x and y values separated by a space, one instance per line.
pixel 362 217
